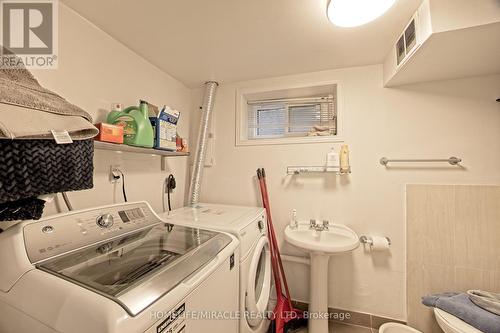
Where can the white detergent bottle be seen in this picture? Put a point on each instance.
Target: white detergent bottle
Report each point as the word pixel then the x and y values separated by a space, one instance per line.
pixel 293 221
pixel 332 160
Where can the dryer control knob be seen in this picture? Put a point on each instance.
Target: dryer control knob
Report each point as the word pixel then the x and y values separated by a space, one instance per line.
pixel 105 220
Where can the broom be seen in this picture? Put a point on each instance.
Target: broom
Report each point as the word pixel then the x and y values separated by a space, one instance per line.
pixel 285 316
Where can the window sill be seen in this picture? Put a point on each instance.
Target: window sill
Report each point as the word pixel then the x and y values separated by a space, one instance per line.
pixel 288 141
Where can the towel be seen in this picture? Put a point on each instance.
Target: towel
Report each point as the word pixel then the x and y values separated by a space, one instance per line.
pixel 29 111
pixel 460 306
pixel 486 300
pixel 431 300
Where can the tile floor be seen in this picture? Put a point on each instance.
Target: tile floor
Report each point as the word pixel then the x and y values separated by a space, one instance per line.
pixel 343 328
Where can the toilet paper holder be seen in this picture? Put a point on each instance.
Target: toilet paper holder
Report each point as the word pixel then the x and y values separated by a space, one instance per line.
pixel 368 240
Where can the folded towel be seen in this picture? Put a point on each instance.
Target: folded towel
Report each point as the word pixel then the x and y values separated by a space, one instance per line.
pixel 30 111
pixel 431 300
pixel 460 306
pixel 486 300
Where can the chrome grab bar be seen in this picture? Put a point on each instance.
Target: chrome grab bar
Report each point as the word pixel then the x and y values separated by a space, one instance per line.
pixel 452 160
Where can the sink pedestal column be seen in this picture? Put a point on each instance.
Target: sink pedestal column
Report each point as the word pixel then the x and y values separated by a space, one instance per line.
pixel 318 291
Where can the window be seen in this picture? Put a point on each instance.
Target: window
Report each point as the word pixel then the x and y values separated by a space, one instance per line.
pixel 267 121
pixel 294 115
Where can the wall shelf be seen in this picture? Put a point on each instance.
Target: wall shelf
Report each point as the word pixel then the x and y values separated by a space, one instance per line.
pixel 296 170
pixel 137 150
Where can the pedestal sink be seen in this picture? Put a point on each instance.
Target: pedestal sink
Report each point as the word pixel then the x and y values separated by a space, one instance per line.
pixel 320 241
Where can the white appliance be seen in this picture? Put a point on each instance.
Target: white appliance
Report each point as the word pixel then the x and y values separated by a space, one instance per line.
pixel 447 322
pixel 451 324
pixel 249 225
pixel 116 268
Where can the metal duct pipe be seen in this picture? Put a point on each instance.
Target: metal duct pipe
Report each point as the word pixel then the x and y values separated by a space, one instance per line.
pixel 199 158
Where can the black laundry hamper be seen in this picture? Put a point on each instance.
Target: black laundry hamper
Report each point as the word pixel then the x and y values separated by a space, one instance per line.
pixel 29 168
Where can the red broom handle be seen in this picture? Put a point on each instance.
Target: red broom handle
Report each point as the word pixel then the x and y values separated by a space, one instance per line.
pixel 268 209
pixel 274 260
pixel 282 271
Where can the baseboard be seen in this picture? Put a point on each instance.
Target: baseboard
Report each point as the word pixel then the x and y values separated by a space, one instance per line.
pixel 352 317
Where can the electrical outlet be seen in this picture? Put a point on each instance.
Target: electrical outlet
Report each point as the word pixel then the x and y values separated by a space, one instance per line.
pixel 114 174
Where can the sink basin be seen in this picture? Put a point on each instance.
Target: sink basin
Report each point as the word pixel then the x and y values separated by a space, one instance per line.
pixel 321 245
pixel 337 239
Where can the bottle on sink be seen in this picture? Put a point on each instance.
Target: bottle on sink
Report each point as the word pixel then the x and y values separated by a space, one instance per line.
pixel 293 221
pixel 332 160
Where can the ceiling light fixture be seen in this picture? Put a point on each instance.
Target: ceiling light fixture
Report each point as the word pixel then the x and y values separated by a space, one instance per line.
pixel 352 13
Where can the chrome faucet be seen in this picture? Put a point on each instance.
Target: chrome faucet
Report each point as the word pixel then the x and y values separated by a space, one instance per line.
pixel 326 224
pixel 314 226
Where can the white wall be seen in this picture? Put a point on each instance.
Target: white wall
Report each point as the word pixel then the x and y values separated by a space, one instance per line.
pixel 438 119
pixel 460 14
pixel 94 71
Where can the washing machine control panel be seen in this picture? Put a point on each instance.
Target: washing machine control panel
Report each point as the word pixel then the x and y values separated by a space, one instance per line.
pixel 60 234
pixel 250 234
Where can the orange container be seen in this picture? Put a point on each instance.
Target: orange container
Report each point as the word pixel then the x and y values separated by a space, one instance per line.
pixel 109 133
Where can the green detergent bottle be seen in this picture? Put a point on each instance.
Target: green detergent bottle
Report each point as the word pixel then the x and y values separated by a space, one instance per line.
pixel 137 129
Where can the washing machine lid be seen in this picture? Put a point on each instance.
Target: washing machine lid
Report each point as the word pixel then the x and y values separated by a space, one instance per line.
pixel 217 216
pixel 137 269
pixel 134 264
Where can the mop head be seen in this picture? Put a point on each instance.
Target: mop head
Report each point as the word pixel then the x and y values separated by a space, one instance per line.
pixel 290 327
pixel 286 319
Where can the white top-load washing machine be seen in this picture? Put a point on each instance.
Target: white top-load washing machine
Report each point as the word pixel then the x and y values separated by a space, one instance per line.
pixel 113 269
pixel 249 225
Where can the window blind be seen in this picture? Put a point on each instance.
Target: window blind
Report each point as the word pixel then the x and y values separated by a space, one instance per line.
pixel 292 117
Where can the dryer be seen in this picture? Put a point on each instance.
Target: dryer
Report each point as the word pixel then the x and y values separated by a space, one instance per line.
pixel 249 225
pixel 116 269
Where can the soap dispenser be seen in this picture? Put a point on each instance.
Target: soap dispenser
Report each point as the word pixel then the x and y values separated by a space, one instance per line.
pixel 293 221
pixel 332 160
